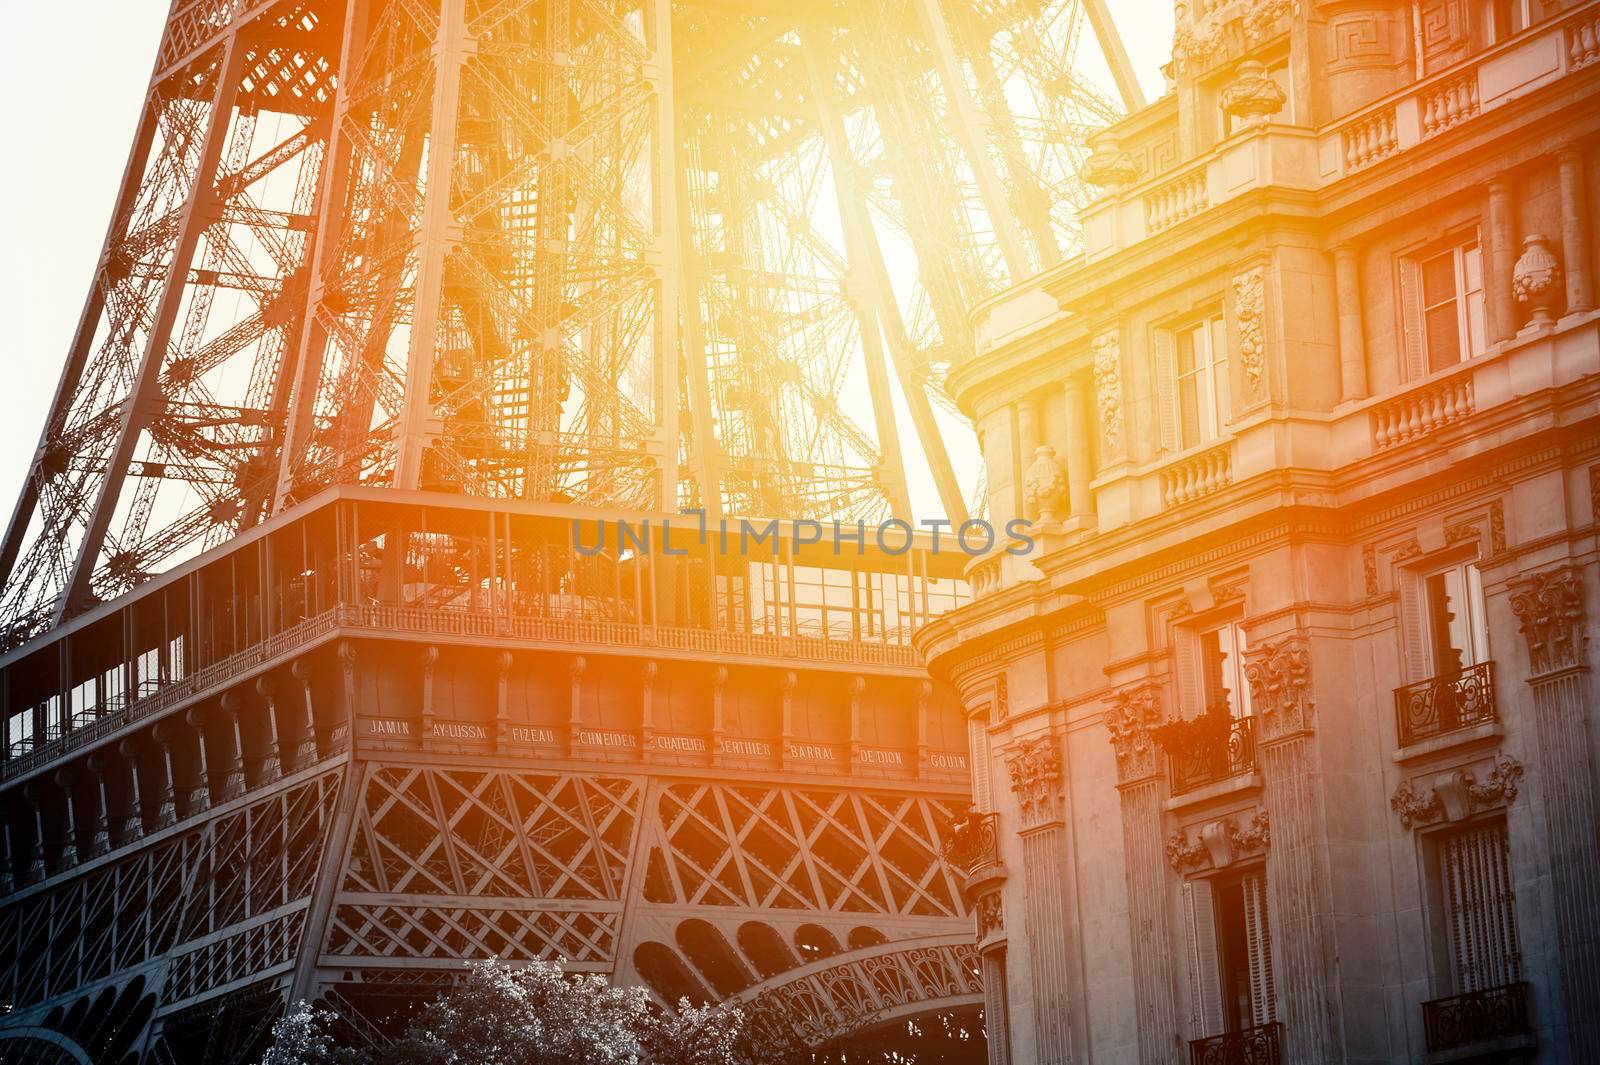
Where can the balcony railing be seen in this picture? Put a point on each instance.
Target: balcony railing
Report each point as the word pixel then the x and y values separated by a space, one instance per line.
pixel 1476 1017
pixel 1214 747
pixel 972 841
pixel 1261 1045
pixel 1445 703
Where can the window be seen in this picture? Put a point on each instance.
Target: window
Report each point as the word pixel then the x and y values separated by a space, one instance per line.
pixel 1451 305
pixel 1505 18
pixel 1222 668
pixel 1202 376
pixel 1230 952
pixel 1475 927
pixel 1457 634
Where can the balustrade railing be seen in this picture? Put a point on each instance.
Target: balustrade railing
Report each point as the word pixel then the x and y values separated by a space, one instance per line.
pixel 1259 1045
pixel 1175 201
pixel 1476 1017
pixel 1207 752
pixel 1370 139
pixel 1196 476
pixel 1444 704
pixel 1442 106
pixel 1583 41
pixel 1421 411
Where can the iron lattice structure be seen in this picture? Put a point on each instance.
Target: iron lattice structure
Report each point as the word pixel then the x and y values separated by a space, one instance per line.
pixel 308 692
pixel 641 255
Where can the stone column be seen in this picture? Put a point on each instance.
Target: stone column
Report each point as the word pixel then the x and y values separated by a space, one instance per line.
pixel 1027 444
pixel 1298 893
pixel 1080 465
pixel 339 731
pixel 857 686
pixel 786 727
pixel 1502 258
pixel 1048 914
pixel 1575 230
pixel 1352 345
pixel 1550 607
pixel 1130 717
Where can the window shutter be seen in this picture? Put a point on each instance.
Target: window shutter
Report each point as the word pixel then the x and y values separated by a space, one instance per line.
pixel 1480 914
pixel 1411 319
pixel 1414 625
pixel 1191 700
pixel 978 744
pixel 1258 940
pixel 1205 975
pixel 1165 388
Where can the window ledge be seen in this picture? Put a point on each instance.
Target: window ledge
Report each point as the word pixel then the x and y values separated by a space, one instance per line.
pixel 1502 1049
pixel 1243 784
pixel 1484 733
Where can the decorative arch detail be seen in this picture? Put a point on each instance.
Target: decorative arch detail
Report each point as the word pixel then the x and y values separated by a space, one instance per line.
pixel 869 987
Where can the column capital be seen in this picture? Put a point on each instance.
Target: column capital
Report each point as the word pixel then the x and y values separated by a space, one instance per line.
pixel 1131 716
pixel 1550 610
pixel 1279 675
pixel 1037 779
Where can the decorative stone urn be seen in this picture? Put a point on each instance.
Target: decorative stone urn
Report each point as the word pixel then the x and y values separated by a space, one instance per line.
pixel 1044 484
pixel 1252 96
pixel 1536 280
pixel 1109 167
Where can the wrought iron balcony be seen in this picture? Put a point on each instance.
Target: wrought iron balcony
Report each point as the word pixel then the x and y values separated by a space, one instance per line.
pixel 1476 1017
pixel 1261 1045
pixel 971 841
pixel 1445 703
pixel 1209 748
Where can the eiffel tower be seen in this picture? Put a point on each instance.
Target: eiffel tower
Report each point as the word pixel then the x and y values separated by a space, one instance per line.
pixel 351 624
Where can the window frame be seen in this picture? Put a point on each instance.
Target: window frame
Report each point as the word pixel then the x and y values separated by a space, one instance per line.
pixel 1214 411
pixel 1478 650
pixel 1470 303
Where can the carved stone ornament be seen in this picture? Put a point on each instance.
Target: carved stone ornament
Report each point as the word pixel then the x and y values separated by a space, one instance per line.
pixel 1109 168
pixel 1036 779
pixel 1252 96
pixel 1131 717
pixel 1221 843
pixel 1044 484
pixel 1536 279
pixel 1279 675
pixel 989 912
pixel 1549 606
pixel 1457 794
pixel 1108 386
pixel 1249 308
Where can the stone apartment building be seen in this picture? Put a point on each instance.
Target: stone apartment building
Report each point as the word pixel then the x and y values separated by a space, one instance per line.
pixel 1285 734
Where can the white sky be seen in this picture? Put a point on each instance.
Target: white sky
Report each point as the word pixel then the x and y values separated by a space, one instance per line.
pixel 75 104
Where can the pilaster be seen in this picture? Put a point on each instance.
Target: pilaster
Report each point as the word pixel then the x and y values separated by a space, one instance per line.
pixel 1550 608
pixel 1131 716
pixel 1298 894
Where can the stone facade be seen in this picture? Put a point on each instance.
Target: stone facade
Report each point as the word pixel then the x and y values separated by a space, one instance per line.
pixel 1286 731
